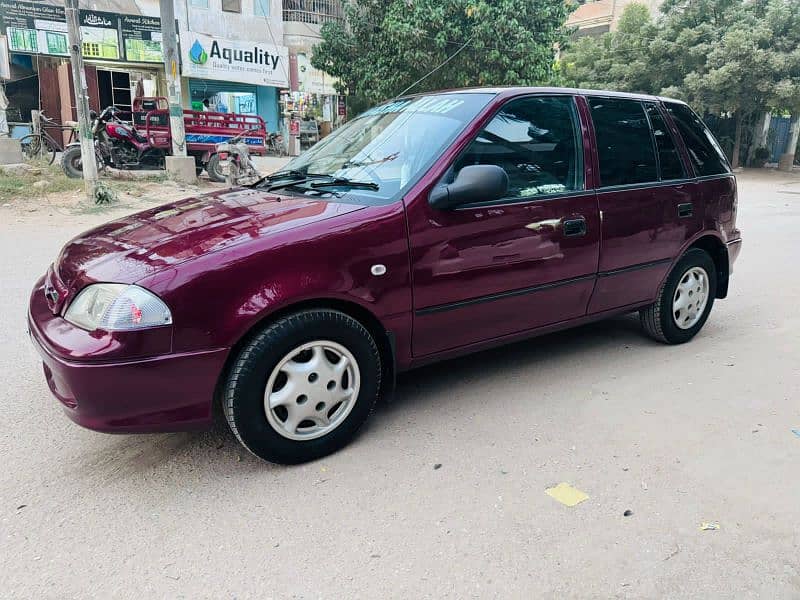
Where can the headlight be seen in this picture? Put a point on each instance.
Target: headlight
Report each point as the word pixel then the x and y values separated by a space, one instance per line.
pixel 117 307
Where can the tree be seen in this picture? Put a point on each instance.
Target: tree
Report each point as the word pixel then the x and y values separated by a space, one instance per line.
pixel 725 57
pixel 618 60
pixel 388 45
pixel 718 55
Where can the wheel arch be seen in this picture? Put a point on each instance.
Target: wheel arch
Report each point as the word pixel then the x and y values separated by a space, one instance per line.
pixel 719 254
pixel 384 339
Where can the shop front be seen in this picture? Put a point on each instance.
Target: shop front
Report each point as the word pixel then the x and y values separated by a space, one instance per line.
pixel 122 55
pixel 234 76
pixel 312 101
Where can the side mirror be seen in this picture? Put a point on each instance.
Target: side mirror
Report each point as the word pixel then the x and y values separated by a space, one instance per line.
pixel 475 183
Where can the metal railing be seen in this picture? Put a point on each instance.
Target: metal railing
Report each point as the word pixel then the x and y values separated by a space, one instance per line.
pixel 313 11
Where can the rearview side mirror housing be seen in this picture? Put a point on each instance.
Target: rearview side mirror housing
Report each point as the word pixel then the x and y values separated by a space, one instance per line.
pixel 474 183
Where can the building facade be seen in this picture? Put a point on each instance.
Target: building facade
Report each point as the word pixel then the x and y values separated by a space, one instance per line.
pixel 244 56
pixel 596 17
pixel 233 57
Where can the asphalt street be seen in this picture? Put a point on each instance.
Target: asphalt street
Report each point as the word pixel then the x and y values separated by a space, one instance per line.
pixel 676 435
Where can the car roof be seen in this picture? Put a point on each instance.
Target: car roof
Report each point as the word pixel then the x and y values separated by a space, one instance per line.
pixel 519 91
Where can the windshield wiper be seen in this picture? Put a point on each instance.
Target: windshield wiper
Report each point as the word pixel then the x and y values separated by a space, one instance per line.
pixel 287 178
pixel 345 182
pixel 331 181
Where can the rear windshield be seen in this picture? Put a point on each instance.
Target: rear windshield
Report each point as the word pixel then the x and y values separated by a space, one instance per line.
pixel 704 150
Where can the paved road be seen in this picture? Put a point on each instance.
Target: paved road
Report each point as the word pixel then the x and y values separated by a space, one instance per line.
pixel 678 435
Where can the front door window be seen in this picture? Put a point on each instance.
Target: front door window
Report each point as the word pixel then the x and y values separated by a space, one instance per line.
pixel 535 140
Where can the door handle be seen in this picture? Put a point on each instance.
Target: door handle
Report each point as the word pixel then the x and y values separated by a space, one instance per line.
pixel 685 209
pixel 574 227
pixel 545 224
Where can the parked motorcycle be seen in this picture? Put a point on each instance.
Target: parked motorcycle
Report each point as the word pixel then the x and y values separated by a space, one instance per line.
pixel 117 144
pixel 235 162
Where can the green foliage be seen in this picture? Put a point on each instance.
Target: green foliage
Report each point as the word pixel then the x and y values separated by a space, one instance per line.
pixel 736 56
pixel 104 193
pixel 387 45
pixel 616 60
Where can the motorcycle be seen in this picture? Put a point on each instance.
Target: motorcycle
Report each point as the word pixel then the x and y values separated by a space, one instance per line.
pixel 235 162
pixel 117 144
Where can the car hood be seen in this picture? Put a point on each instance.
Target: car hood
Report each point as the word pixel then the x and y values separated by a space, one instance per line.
pixel 126 250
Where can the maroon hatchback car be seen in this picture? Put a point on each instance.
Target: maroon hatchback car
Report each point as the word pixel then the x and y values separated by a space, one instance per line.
pixel 428 227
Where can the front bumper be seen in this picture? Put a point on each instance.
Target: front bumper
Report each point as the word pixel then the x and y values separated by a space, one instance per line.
pixel 170 392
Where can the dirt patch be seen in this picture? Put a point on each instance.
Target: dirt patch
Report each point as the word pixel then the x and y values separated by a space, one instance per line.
pixel 44 192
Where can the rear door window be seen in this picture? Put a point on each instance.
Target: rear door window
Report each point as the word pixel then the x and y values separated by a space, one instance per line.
pixel 624 145
pixel 669 160
pixel 704 151
pixel 535 141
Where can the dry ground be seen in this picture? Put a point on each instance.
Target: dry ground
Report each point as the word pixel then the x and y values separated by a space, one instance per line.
pixel 677 435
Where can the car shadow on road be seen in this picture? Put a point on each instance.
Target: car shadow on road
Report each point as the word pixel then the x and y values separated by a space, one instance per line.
pixel 218 448
pixel 541 352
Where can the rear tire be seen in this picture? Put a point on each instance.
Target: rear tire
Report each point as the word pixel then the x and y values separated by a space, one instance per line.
pixel 72 162
pixel 214 170
pixel 288 401
pixel 677 315
pixel 37 147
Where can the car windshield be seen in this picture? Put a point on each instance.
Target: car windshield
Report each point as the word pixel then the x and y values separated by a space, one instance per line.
pixel 385 149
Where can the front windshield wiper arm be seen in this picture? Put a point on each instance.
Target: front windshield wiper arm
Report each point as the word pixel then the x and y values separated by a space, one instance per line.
pixel 343 181
pixel 284 174
pixel 287 178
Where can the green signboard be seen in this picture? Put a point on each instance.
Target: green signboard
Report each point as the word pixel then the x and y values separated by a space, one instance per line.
pixel 35 28
pixel 142 37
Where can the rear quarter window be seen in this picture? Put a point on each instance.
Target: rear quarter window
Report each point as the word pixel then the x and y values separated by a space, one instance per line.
pixel 704 150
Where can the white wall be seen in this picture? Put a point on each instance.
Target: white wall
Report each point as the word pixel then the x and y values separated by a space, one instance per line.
pixel 244 26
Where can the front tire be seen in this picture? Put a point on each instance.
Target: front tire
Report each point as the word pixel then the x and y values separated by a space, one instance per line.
pixel 301 388
pixel 684 300
pixel 72 162
pixel 214 170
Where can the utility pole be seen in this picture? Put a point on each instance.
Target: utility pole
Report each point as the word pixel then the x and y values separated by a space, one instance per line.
pixel 89 164
pixel 179 166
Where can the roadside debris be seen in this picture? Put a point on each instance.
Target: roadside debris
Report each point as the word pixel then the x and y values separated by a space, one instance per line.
pixel 709 526
pixel 566 494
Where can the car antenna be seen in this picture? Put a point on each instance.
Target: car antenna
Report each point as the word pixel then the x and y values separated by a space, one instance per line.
pixel 431 72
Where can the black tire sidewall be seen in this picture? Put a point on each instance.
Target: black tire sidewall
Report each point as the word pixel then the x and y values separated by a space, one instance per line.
pixel 67 163
pixel 259 358
pixel 212 168
pixel 693 258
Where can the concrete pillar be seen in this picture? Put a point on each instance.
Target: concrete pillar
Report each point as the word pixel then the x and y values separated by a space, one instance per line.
pixel 181 168
pixel 10 151
pixel 787 158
